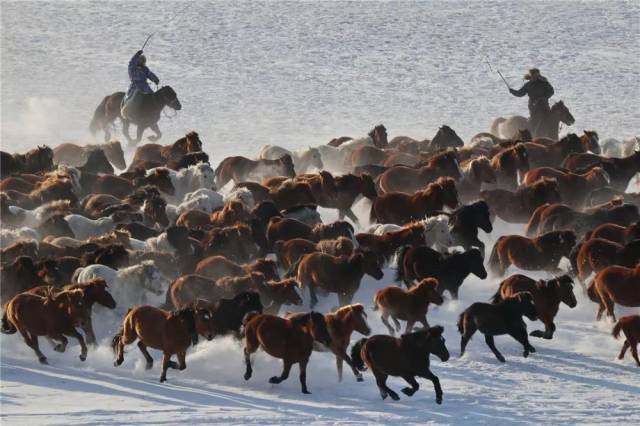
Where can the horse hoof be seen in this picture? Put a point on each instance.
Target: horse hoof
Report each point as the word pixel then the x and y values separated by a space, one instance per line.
pixel 247 375
pixel 274 380
pixel 163 379
pixel 83 357
pixel 408 391
pixel 439 401
pixel 394 396
pixel 501 359
pixel 43 360
pixel 306 392
pixel 525 354
pixel 149 366
pixel 359 379
pixel 532 349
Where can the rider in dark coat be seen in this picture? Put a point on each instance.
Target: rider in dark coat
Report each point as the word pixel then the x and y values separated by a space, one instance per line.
pixel 539 91
pixel 138 74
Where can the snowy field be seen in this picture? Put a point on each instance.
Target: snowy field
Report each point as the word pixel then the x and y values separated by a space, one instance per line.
pixel 298 74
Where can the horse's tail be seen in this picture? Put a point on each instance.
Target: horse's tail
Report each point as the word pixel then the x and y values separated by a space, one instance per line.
pixel 373 218
pixel 573 256
pixel 98 116
pixel 356 357
pixel 461 323
pixel 494 259
pixel 617 329
pixel 497 297
pixel 592 293
pixel 400 275
pixel 115 341
pixel 7 326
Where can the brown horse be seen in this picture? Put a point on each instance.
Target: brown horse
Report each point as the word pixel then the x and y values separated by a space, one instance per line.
pixel 148 116
pixel 348 188
pixel 287 229
pixel 630 326
pixel 341 324
pixel 508 163
pixel 406 357
pixel 240 169
pixel 288 339
pixel 475 172
pixel 401 208
pixel 554 154
pixel 517 207
pixel 504 317
pixel 617 233
pixel 189 288
pixel 540 253
pixel 596 254
pixel 289 252
pixel 163 154
pixel 54 316
pixel 407 305
pixel 170 332
pixel 94 291
pixel 341 275
pixel 233 212
pixel 547 296
pixel 75 155
pixel 233 242
pixel 216 267
pixel 20 275
pixel 37 160
pixel 574 188
pixel 615 284
pixel 409 179
pixel 387 244
pixel 620 170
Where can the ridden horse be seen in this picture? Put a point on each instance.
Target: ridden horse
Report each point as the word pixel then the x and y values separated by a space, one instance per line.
pixel 406 357
pixel 410 179
pixel 408 305
pixel 240 169
pixel 574 188
pixel 341 275
pixel 615 284
pixel 54 316
pixel 37 160
pixel 549 126
pixel 401 208
pixel 465 222
pixel 540 253
pixel 504 317
pixel 417 263
pixel 630 326
pixel 165 154
pixel 517 207
pixel 288 339
pixel 547 296
pixel 76 155
pixel 149 111
pixel 507 163
pixel 170 332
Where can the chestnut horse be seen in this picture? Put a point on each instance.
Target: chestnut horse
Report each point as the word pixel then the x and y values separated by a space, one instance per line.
pixel 288 339
pixel 216 267
pixel 508 163
pixel 401 208
pixel 170 332
pixel 517 207
pixel 597 253
pixel 239 169
pixel 409 179
pixel 615 284
pixel 289 252
pixel 574 188
pixel 547 296
pixel 630 326
pixel 617 233
pixel 408 305
pixel 406 357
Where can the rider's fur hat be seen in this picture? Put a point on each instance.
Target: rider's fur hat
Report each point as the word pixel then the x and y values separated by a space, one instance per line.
pixel 142 60
pixel 533 72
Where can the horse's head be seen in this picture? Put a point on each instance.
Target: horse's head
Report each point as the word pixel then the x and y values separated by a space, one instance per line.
pixel 379 136
pixel 194 144
pixel 370 263
pixel 169 97
pixel 178 237
pixel 75 306
pixel 560 110
pixel 448 164
pixel 285 291
pixel 97 162
pixel 155 211
pixel 446 137
pixel 449 191
pixel 203 322
pixel 427 340
pixel 286 163
pixel 436 230
pixel 521 157
pixel 96 291
pixel 428 290
pixel 482 171
pixel 483 216
pixel 161 178
pixel 476 263
pixel 591 141
pixel 563 286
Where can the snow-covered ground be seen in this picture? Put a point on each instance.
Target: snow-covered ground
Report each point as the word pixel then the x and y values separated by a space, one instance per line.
pixel 297 74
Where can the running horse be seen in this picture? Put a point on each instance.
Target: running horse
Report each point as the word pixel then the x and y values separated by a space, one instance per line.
pixel 150 108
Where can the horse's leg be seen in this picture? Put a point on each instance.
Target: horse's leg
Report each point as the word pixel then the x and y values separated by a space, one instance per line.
pixel 182 360
pixel 125 131
pixel 158 133
pixel 409 391
pixel 549 329
pixel 409 326
pixel 427 374
pixel 384 317
pixel 32 342
pixel 83 347
pixel 468 331
pixel 312 295
pixel 520 334
pixel 625 346
pixel 608 303
pixel 60 347
pixel 634 352
pixel 492 345
pixel 286 368
pixel 139 133
pixel 381 381
pixel 89 333
pixel 600 310
pixel 424 322
pixel 341 356
pixel 349 213
pixel 303 375
pixel 145 353
pixel 397 324
pixel 166 362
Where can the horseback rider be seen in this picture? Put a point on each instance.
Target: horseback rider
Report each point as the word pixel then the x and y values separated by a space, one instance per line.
pixel 139 73
pixel 539 90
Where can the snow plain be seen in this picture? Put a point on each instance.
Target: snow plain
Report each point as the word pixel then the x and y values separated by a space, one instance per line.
pixel 298 74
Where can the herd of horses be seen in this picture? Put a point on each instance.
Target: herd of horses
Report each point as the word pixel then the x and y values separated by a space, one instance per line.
pixel 184 251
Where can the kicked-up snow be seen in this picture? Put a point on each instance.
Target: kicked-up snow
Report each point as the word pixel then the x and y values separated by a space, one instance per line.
pixel 299 74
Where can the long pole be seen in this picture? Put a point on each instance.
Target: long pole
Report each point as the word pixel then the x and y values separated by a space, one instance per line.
pixel 502 77
pixel 165 24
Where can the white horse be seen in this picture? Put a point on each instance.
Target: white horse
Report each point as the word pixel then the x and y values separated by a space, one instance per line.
pixel 338 159
pixel 128 286
pixel 84 228
pixel 436 231
pixel 10 236
pixel 173 241
pixel 242 195
pixel 187 180
pixel 303 160
pixel 35 217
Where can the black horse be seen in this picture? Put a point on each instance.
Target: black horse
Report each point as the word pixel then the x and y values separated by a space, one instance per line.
pixel 151 106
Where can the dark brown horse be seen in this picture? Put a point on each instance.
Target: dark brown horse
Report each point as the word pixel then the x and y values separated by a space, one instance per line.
pixel 149 114
pixel 170 332
pixel 162 155
pixel 541 253
pixel 630 326
pixel 37 160
pixel 216 267
pixel 596 254
pixel 553 155
pixel 409 179
pixel 547 296
pixel 287 229
pixel 517 207
pixel 615 284
pixel 406 357
pixel 574 188
pixel 617 233
pixel 288 339
pixel 289 252
pixel 465 222
pixel 508 163
pixel 348 188
pixel 401 208
pixel 620 170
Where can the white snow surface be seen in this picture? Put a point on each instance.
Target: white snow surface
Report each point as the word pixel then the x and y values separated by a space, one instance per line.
pixel 298 74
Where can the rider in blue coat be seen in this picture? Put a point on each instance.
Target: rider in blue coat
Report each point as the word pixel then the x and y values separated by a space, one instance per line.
pixel 139 74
